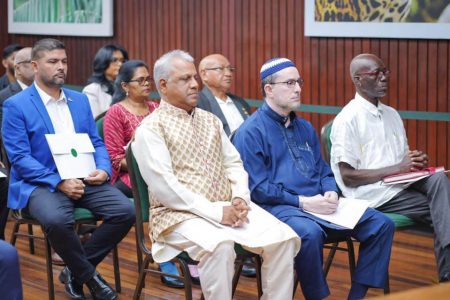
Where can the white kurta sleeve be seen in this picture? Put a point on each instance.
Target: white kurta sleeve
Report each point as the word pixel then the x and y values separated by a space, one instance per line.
pixel 234 169
pixel 155 164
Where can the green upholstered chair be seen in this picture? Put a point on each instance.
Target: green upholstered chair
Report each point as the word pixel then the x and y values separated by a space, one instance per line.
pixel 82 216
pixel 142 205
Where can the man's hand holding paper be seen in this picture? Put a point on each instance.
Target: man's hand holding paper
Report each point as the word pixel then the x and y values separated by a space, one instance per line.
pixel 73 188
pixel 96 177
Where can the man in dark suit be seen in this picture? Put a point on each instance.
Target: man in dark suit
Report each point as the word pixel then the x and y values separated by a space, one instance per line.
pixel 24 75
pixel 36 185
pixel 217 76
pixel 8 63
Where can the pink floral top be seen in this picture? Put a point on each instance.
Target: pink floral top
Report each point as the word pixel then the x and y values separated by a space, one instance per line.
pixel 118 128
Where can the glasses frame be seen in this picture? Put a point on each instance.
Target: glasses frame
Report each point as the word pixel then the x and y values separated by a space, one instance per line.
pixel 386 72
pixel 142 80
pixel 291 82
pixel 232 69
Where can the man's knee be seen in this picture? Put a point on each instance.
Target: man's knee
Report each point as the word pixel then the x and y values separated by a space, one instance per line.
pixel 225 250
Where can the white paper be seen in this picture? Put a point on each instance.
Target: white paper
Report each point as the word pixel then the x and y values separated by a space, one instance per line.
pixel 347 214
pixel 73 154
pixel 2 175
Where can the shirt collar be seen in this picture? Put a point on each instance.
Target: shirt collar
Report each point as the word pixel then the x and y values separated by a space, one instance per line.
pixel 275 116
pixel 227 101
pixel 374 110
pixel 21 84
pixel 174 110
pixel 46 97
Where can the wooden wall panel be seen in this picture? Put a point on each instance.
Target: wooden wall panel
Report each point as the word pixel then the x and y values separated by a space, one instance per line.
pixel 249 32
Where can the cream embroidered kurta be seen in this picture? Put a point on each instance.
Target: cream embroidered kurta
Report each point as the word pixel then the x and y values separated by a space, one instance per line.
pixel 192 171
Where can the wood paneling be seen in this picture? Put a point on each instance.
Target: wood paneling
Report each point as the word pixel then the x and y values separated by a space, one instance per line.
pixel 251 31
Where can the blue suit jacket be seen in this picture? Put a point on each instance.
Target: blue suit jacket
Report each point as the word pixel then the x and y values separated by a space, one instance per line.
pixel 25 124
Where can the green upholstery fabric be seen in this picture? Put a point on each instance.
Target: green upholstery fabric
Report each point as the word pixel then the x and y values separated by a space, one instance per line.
pixel 99 124
pixel 79 214
pixel 400 221
pixel 141 187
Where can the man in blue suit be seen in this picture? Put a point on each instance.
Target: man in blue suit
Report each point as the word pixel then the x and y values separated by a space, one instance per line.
pixel 288 178
pixel 37 188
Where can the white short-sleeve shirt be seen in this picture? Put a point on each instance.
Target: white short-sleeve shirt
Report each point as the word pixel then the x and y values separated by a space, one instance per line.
pixel 368 137
pixel 231 113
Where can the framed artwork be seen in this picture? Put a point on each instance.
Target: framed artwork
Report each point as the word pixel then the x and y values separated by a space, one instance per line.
pixel 61 17
pixel 415 19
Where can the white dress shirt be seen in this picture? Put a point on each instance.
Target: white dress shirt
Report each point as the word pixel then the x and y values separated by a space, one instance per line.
pixel 21 84
pixel 231 113
pixel 99 99
pixel 368 137
pixel 58 110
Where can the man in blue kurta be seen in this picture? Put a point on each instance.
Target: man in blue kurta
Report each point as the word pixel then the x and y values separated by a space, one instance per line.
pixel 288 178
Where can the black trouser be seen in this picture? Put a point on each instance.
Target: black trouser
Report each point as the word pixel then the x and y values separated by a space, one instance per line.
pixel 4 211
pixel 54 210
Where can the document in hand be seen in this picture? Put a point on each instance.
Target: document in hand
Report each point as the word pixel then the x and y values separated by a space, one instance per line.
pixel 347 214
pixel 73 154
pixel 411 176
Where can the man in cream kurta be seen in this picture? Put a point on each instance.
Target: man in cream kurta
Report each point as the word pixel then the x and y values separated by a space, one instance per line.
pixel 199 190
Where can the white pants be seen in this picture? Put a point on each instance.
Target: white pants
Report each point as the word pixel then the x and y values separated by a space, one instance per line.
pixel 216 268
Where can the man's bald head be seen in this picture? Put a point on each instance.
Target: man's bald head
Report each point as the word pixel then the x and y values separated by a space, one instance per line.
pixel 23 55
pixel 370 76
pixel 217 74
pixel 22 66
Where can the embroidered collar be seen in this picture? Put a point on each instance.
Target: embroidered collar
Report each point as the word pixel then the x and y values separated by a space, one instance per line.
pixel 275 116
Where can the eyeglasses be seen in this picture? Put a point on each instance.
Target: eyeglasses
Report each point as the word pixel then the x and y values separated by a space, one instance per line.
pixel 221 69
pixel 142 80
pixel 24 62
pixel 376 73
pixel 117 60
pixel 291 82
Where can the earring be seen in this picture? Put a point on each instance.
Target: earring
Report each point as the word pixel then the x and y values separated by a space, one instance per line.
pixel 126 93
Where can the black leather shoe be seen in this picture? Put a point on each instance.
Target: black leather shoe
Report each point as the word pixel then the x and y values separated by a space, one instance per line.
pixel 99 288
pixel 445 278
pixel 248 271
pixel 172 282
pixel 72 288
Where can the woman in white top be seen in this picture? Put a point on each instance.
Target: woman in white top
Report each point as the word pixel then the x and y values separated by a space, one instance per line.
pixel 100 88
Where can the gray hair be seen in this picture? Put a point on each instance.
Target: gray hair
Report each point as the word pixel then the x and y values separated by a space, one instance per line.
pixel 163 65
pixel 268 80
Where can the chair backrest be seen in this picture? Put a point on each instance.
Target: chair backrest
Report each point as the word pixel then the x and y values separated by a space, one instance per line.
pixel 140 195
pixel 325 141
pixel 99 122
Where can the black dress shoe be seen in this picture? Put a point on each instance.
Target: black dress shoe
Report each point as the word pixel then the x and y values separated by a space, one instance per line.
pixel 445 278
pixel 99 288
pixel 72 288
pixel 172 282
pixel 248 271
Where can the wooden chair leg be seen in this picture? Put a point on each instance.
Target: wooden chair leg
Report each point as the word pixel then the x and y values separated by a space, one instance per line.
pixel 13 234
pixel 48 258
pixel 258 263
pixel 116 270
pixel 187 279
pixel 138 252
pixel 329 260
pixel 295 284
pixel 31 240
pixel 387 288
pixel 141 278
pixel 351 257
pixel 236 276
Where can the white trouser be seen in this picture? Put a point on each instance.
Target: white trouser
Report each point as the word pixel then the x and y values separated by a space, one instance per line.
pixel 216 268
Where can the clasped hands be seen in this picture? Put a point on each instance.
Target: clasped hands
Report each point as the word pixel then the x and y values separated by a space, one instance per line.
pixel 413 161
pixel 235 215
pixel 326 204
pixel 74 188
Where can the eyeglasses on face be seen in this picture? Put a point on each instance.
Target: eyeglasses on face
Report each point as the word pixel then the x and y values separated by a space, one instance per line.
pixel 24 62
pixel 377 73
pixel 291 82
pixel 221 69
pixel 142 80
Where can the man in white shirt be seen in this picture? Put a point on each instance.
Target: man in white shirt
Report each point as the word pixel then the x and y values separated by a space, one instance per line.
pixel 198 188
pixel 369 142
pixel 217 75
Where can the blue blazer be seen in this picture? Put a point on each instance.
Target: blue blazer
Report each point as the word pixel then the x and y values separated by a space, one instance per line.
pixel 25 124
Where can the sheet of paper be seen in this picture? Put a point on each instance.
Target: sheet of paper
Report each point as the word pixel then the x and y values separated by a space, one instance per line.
pixel 73 154
pixel 348 213
pixel 2 175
